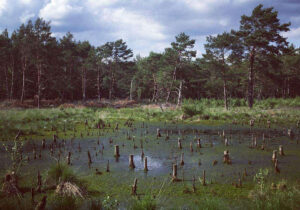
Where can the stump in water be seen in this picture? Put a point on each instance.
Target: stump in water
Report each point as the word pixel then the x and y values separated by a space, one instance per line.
pixel 226 158
pixel 107 166
pixel 69 158
pixel 269 123
pixel 181 160
pixel 79 148
pixel 117 152
pixel 226 142
pixel 290 133
pixel 143 154
pixel 134 187
pixel 199 143
pixel 158 133
pixel 179 144
pixel 117 126
pixel 34 154
pixel 203 178
pixel 277 170
pixel 89 157
pixel 281 150
pixel 167 136
pixel 274 156
pixel 191 147
pixel 145 164
pixel 174 173
pixel 131 162
pixel 43 143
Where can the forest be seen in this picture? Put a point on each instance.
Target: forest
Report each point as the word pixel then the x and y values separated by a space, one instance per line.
pixel 253 62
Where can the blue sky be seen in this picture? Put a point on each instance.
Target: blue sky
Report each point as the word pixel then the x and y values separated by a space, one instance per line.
pixel 146 25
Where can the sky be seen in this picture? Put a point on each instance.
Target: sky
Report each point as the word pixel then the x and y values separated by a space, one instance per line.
pixel 145 25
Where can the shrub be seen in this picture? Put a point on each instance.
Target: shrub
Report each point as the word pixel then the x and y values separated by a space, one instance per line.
pixel 147 203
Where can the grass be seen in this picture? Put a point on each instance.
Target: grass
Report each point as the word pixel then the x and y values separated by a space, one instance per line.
pixel 112 190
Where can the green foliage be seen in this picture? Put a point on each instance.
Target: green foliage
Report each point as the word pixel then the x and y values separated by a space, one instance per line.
pixel 110 203
pixel 63 172
pixel 147 202
pixel 63 203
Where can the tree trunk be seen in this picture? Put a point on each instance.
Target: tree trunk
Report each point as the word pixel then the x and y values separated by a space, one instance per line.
pixel 12 81
pixel 98 84
pixel 179 99
pixel 225 95
pixel 251 79
pixel 39 83
pixel 6 82
pixel 154 88
pixel 131 90
pixel 83 84
pixel 171 86
pixel 23 80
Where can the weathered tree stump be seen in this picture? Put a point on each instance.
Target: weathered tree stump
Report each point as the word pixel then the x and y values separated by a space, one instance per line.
pixel 203 178
pixel 42 204
pixel 117 152
pixel 181 159
pixel 158 133
pixel 145 164
pixel 43 143
pixel 179 143
pixel 107 166
pixel 191 147
pixel 174 172
pixel 69 158
pixel 274 156
pixel 131 162
pixel 251 122
pixel 290 133
pixel 226 142
pixel 226 158
pixel 199 143
pixel 194 184
pixel 89 157
pixel 134 187
pixel 143 154
pixel 281 150
pixel 277 170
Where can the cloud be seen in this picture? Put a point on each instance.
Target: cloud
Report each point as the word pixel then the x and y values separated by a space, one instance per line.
pixel 26 16
pixel 3 4
pixel 145 25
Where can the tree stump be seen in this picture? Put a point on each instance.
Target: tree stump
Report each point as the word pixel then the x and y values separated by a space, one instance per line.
pixel 181 160
pixel 274 156
pixel 131 162
pixel 43 143
pixel 145 164
pixel 226 142
pixel 117 152
pixel 226 158
pixel 174 172
pixel 107 166
pixel 89 158
pixel 269 123
pixel 179 144
pixel 134 187
pixel 191 147
pixel 199 143
pixel 158 133
pixel 277 170
pixel 203 178
pixel 281 150
pixel 69 158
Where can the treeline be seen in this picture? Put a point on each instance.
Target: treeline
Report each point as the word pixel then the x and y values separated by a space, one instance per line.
pixel 252 62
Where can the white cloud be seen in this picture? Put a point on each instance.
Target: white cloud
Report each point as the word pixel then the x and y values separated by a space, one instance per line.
pixel 204 5
pixel 294 33
pixel 3 4
pixel 57 10
pixel 26 16
pixel 26 2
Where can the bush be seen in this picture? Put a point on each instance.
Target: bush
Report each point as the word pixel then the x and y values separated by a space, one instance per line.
pixel 192 110
pixel 147 203
pixel 63 203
